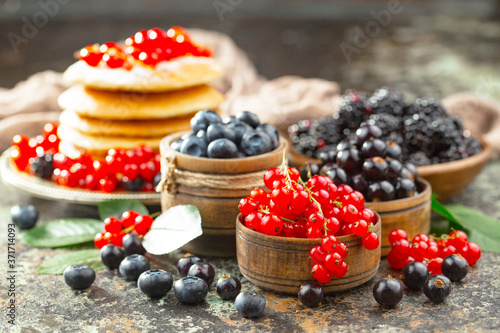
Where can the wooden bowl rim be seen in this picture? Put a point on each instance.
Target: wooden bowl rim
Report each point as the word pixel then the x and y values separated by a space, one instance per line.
pixel 405 203
pixel 166 141
pixel 297 241
pixel 458 165
pixel 298 155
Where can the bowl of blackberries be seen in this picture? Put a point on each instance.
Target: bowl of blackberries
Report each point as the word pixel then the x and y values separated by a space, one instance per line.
pixel 436 143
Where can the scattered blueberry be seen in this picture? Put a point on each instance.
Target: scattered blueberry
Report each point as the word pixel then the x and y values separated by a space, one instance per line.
pixel 250 304
pixel 25 217
pixel 190 290
pixel 310 294
pixel 133 266
pixel 132 245
pixel 228 287
pixel 185 263
pixel 155 283
pixel 437 288
pixel 414 275
pixel 79 277
pixel 455 267
pixel 204 271
pixel 111 256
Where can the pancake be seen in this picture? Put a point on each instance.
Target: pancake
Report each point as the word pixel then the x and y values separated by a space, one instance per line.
pixel 125 128
pixel 101 104
pixel 99 145
pixel 175 74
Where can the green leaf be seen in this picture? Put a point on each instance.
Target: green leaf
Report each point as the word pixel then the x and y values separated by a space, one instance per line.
pixel 476 221
pixel 117 207
pixel 173 229
pixel 57 264
pixel 63 232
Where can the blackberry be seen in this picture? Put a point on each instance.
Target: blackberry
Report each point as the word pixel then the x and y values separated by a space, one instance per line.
pixel 386 101
pixel 419 158
pixel 425 106
pixel 43 165
pixel 387 123
pixel 352 111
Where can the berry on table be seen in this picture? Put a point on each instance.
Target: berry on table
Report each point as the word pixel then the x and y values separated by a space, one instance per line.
pixel 204 271
pixel 228 287
pixel 455 267
pixel 79 277
pixel 155 283
pixel 132 245
pixel 310 294
pixel 437 288
pixel 414 275
pixel 25 217
pixel 388 292
pixel 185 263
pixel 396 235
pixel 190 290
pixel 111 256
pixel 133 266
pixel 250 304
pixel 434 266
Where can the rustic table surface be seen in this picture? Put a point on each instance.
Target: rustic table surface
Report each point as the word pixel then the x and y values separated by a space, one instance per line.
pixel 46 304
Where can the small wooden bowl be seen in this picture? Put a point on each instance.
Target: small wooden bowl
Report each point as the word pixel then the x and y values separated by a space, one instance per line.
pixel 413 215
pixel 297 160
pixel 218 207
pixel 450 179
pixel 282 264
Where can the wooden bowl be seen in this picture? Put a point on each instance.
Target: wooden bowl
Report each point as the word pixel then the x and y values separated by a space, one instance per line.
pixel 218 207
pixel 297 160
pixel 451 178
pixel 282 264
pixel 413 215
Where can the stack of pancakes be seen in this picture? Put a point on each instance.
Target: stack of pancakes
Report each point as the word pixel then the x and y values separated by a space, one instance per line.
pixel 122 108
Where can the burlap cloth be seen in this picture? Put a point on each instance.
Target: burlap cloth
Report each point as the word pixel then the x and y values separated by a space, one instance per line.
pixel 281 102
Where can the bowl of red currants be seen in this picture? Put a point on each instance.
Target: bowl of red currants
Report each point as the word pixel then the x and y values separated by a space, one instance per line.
pixel 296 231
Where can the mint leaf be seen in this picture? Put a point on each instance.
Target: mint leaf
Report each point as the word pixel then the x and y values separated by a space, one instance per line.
pixel 63 232
pixel 57 264
pixel 173 229
pixel 117 207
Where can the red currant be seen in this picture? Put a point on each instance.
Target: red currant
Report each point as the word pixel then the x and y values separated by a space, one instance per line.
pixel 359 228
pixel 343 190
pixel 418 250
pixel 313 232
pixel 247 205
pixel 271 224
pixel 329 243
pixel 112 225
pixel 99 240
pixel 338 269
pixel 128 218
pixel 317 254
pixel 287 230
pixel 320 273
pixel 316 219
pixel 401 248
pixel 473 254
pixel 271 176
pixel 342 249
pixel 332 225
pixel 420 237
pixel 253 220
pixel 281 196
pixel 117 239
pixel 148 171
pixel 370 241
pixel 396 235
pixel 300 229
pixel 142 224
pixel 260 196
pixel 350 213
pixel 434 266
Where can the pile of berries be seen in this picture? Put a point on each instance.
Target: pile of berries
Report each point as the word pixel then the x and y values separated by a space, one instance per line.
pixel 423 129
pixel 237 136
pixel 146 47
pixel 313 209
pixel 132 170
pixel 369 165
pixel 124 231
pixel 430 250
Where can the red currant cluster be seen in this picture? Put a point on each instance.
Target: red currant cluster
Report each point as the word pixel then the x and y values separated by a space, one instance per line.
pixel 148 47
pixel 133 170
pixel 316 209
pixel 115 229
pixel 430 250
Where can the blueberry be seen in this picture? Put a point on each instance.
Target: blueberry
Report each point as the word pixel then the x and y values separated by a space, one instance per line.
pixel 388 292
pixel 229 120
pixel 437 288
pixel 134 185
pixel 219 131
pixel 249 118
pixel 272 132
pixel 132 245
pixel 194 146
pixel 255 143
pixel 155 283
pixel 157 179
pixel 222 148
pixel 187 135
pixel 190 290
pixel 310 294
pixel 204 271
pixel 186 262
pixel 455 267
pixel 176 145
pixel 25 217
pixel 414 275
pixel 203 119
pixel 112 256
pixel 133 266
pixel 250 304
pixel 202 134
pixel 239 128
pixel 79 277
pixel 228 287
